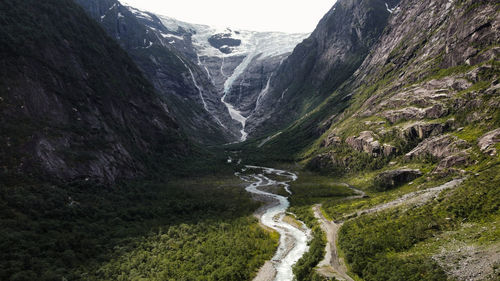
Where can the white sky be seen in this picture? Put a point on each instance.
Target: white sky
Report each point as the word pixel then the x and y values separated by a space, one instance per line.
pixel 295 16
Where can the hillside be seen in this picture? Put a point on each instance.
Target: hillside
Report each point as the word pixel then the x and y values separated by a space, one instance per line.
pixel 420 110
pixel 193 100
pixel 73 105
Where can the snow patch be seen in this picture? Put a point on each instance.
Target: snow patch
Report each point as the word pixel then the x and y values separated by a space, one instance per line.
pixel 172 36
pixel 389 9
pixel 139 13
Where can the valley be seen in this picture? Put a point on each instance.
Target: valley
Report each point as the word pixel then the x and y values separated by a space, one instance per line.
pixel 136 146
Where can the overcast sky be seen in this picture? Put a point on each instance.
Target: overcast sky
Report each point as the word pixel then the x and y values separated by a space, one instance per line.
pixel 294 16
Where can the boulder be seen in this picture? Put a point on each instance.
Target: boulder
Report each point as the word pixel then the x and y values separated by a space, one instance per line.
pixel 439 147
pixel 331 140
pixel 389 150
pixel 392 179
pixel 452 161
pixel 365 142
pixel 487 142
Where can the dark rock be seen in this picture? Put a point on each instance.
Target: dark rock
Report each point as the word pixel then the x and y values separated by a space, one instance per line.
pixel 392 179
pixel 331 140
pixel 223 42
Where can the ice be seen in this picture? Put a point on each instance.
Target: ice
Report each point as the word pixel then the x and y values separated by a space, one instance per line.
pixel 389 9
pixel 139 13
pixel 172 36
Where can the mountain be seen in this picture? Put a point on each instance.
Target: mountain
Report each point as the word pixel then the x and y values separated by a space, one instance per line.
pixel 425 76
pixel 73 104
pixel 237 64
pixel 203 97
pixel 420 109
pixel 328 57
pixel 194 101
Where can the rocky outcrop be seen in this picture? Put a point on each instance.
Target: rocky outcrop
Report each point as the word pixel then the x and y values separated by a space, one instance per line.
pixel 366 142
pixel 488 141
pixel 414 113
pixel 331 140
pixel 439 147
pixel 451 162
pixel 392 179
pixel 422 130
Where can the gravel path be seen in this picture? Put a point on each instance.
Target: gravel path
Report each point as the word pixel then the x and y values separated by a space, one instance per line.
pixel 334 266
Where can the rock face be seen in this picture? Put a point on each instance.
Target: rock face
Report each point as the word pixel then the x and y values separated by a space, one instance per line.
pixel 192 98
pixel 322 62
pixel 73 105
pixel 392 179
pixel 487 142
pixel 366 142
pixel 240 64
pixel 422 130
pixel 439 147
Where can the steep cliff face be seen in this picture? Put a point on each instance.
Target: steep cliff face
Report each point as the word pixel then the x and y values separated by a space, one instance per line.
pixel 72 104
pixel 238 63
pixel 193 100
pixel 424 103
pixel 432 76
pixel 320 64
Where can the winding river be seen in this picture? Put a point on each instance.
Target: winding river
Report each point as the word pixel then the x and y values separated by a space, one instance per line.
pixel 293 239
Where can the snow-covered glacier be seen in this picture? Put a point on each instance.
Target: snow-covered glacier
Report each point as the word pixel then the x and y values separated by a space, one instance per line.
pixel 238 63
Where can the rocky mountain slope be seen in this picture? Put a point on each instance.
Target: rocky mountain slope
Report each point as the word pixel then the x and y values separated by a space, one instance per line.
pixel 427 81
pixel 194 101
pixel 421 108
pixel 239 64
pixel 327 58
pixel 73 105
pixel 204 97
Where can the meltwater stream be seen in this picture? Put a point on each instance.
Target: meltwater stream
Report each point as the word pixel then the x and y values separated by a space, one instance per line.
pixel 293 240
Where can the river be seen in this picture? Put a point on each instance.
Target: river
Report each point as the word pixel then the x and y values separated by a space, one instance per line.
pixel 293 240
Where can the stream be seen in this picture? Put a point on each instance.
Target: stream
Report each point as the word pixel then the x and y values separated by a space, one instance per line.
pixel 293 240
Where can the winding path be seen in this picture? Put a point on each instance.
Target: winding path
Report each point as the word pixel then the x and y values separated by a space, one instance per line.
pixel 334 266
pixel 293 239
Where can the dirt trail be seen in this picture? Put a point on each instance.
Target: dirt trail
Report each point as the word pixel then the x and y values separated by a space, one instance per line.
pixel 334 266
pixel 419 197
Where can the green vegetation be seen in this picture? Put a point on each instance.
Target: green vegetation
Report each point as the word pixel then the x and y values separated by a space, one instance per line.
pixel 310 189
pixel 374 244
pixel 138 230
pixel 304 268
